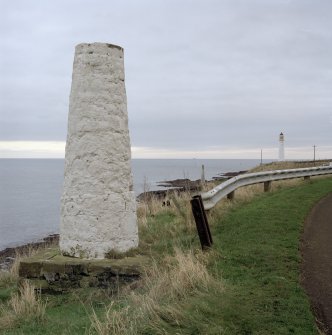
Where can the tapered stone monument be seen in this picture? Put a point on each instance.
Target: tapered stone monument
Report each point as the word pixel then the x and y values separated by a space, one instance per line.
pixel 98 206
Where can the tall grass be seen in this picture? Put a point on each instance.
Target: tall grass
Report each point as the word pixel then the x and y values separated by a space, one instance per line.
pixel 166 286
pixel 163 227
pixel 22 306
pixel 289 165
pixel 11 277
pixel 23 302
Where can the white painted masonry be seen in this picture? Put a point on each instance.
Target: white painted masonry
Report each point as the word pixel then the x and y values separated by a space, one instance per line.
pixel 281 147
pixel 98 206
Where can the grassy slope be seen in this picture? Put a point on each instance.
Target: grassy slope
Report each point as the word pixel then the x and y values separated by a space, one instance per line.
pixel 65 314
pixel 256 250
pixel 259 243
pixel 255 255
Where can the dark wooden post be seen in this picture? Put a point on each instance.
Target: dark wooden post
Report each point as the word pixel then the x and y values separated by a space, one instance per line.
pixel 202 224
pixel 267 186
pixel 230 196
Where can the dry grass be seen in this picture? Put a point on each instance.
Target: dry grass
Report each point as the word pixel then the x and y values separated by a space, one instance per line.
pixel 182 208
pixel 289 165
pixel 11 277
pixel 156 220
pixel 153 206
pixel 150 212
pixel 166 286
pixel 147 208
pixel 246 193
pixel 177 277
pixel 22 306
pixel 115 322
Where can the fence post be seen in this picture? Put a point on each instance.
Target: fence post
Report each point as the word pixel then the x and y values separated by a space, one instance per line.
pixel 267 186
pixel 230 195
pixel 203 176
pixel 202 224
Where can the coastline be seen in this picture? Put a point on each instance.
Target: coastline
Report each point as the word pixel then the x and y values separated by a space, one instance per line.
pixel 8 255
pixel 32 190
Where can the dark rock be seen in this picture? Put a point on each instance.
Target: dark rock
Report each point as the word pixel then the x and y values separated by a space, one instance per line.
pixel 176 186
pixel 12 252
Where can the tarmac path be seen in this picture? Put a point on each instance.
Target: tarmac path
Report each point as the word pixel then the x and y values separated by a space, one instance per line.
pixel 317 262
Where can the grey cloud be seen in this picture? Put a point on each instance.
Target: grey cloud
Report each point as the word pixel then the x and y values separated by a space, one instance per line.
pixel 198 73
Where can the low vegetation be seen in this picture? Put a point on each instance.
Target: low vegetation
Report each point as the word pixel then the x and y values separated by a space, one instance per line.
pixel 159 304
pixel 248 283
pixel 290 165
pixel 24 306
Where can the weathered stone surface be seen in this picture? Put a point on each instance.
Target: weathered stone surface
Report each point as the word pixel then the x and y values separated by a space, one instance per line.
pixel 50 271
pixel 98 207
pixel 30 269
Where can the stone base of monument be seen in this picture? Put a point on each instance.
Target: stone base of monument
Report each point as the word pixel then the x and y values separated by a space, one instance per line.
pixel 49 271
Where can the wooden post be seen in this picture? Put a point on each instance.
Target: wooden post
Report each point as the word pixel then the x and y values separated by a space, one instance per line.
pixel 202 225
pixel 230 196
pixel 267 186
pixel 203 176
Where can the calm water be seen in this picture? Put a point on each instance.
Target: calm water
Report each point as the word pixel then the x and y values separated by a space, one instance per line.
pixel 30 190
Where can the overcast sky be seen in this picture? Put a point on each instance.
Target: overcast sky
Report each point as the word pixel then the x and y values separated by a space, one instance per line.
pixel 205 79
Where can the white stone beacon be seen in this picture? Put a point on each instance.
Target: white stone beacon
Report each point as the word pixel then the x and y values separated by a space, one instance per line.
pixel 98 205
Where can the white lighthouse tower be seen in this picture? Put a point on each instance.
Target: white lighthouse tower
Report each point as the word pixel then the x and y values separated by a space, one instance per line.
pixel 281 147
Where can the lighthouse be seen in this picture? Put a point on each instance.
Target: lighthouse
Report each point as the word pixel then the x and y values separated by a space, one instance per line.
pixel 281 147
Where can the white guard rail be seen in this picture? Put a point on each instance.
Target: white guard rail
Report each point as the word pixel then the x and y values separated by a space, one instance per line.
pixel 211 197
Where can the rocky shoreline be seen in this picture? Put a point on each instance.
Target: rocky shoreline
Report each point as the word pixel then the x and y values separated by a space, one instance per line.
pixel 7 256
pixel 177 186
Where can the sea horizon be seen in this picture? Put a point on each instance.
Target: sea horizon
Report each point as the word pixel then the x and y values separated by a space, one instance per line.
pixel 31 189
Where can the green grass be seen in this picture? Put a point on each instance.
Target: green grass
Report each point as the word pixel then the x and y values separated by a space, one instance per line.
pixel 259 245
pixel 163 232
pixel 5 293
pixel 65 314
pixel 255 257
pixel 256 253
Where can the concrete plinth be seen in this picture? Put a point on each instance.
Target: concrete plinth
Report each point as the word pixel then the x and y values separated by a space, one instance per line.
pixel 98 207
pixel 50 271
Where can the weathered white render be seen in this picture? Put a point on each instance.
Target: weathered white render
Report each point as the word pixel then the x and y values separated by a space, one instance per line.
pixel 98 206
pixel 281 147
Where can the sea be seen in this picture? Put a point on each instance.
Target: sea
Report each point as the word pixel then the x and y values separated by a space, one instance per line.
pixel 30 190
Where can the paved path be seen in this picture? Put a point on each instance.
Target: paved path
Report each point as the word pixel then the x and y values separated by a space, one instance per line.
pixel 317 261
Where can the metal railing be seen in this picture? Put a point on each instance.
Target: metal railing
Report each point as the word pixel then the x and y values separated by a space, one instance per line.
pixel 212 197
pixel 205 201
